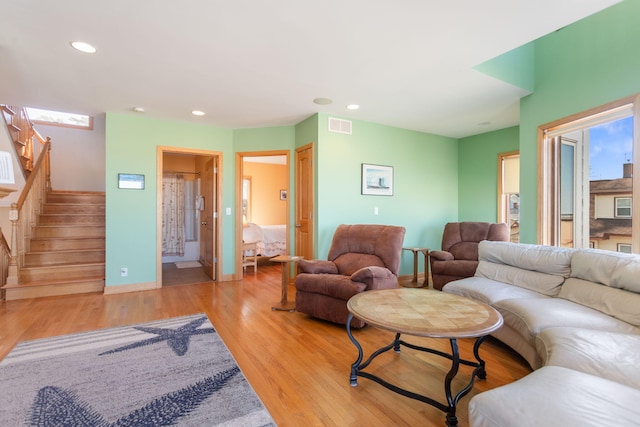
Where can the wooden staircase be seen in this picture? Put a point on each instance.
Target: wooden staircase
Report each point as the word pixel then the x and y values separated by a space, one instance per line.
pixel 22 134
pixel 66 252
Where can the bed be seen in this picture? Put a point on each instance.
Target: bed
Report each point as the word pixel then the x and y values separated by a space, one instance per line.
pixel 270 239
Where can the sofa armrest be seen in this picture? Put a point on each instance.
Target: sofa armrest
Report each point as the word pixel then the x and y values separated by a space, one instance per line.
pixel 441 255
pixel 375 277
pixel 317 266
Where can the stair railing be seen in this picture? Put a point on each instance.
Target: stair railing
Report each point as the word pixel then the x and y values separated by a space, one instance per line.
pixel 23 135
pixel 5 258
pixel 24 214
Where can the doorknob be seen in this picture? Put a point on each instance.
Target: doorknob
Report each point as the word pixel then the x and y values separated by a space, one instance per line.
pixel 203 223
pixel 298 225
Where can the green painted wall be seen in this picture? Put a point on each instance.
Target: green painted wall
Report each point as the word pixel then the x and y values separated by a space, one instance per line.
pixel 478 173
pixel 515 67
pixel 131 147
pixel 425 183
pixel 582 66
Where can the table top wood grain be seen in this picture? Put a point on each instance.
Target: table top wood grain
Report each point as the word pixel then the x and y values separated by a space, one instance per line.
pixel 425 312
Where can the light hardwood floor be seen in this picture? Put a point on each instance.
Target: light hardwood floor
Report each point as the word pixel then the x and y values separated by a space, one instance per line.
pixel 298 366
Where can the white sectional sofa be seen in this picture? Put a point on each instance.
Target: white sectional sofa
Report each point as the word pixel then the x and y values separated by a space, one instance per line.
pixel 574 315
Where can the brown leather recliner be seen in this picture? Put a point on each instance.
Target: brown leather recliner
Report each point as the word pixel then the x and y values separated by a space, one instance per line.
pixel 362 257
pixel 459 255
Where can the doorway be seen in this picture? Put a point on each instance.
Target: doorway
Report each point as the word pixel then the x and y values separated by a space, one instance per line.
pixel 188 200
pixel 262 206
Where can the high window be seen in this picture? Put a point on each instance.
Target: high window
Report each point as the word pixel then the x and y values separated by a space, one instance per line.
pixel 586 188
pixel 60 118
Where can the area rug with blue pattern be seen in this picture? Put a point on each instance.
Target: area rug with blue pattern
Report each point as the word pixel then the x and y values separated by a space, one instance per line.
pixel 170 372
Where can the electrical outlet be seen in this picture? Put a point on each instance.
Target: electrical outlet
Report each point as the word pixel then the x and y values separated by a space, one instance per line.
pixel 124 272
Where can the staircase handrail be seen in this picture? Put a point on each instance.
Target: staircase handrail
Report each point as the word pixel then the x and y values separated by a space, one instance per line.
pixel 24 213
pixel 41 164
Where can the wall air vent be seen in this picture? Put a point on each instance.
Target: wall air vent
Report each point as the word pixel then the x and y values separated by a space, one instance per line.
pixel 339 125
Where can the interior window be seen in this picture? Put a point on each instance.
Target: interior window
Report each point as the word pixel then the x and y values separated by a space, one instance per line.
pixel 509 192
pixel 587 193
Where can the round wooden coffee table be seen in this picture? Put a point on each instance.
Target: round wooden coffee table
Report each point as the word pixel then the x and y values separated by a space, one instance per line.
pixel 424 313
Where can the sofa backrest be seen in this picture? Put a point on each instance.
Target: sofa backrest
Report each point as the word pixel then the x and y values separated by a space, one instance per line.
pixel 461 238
pixel 363 245
pixel 605 281
pixel 535 267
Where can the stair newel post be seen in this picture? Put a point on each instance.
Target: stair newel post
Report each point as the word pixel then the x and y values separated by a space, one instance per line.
pixel 47 166
pixel 12 276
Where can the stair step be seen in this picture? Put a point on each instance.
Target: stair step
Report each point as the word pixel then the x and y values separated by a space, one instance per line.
pixel 53 288
pixel 49 219
pixel 68 208
pixel 67 244
pixel 69 231
pixel 61 272
pixel 13 127
pixel 34 259
pixel 76 197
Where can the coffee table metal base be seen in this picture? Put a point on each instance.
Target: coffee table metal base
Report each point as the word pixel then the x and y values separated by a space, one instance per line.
pixel 452 400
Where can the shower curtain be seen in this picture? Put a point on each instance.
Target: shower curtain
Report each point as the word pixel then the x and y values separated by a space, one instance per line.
pixel 173 206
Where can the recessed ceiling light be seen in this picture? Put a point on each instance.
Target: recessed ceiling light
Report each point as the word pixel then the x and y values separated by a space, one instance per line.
pixel 83 47
pixel 138 109
pixel 322 101
pixel 197 113
pixel 353 107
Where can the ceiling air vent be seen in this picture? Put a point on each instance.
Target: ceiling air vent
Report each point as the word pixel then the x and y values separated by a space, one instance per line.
pixel 339 125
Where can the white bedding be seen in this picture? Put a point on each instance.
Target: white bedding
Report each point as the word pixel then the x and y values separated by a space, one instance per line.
pixel 270 239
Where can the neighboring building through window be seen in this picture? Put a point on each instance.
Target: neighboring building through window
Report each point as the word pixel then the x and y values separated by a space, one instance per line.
pixel 586 192
pixel 59 118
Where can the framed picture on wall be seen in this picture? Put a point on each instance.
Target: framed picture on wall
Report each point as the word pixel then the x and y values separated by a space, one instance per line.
pixel 377 180
pixel 131 181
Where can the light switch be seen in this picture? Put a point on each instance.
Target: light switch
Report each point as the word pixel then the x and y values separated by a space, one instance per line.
pixel 228 211
pixel 375 210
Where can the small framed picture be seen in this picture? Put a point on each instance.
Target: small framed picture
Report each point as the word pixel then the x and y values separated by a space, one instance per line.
pixel 283 194
pixel 131 181
pixel 377 180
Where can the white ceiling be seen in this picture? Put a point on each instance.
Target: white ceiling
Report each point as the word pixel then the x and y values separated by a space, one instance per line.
pixel 258 63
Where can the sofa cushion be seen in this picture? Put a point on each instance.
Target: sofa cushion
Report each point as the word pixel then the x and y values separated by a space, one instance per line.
pixel 617 303
pixel 613 269
pixel 331 285
pixel 529 316
pixel 488 291
pixel 544 259
pixel 349 263
pixel 538 268
pixel 557 397
pixel 317 266
pixel 547 284
pixel 605 354
pixel 458 267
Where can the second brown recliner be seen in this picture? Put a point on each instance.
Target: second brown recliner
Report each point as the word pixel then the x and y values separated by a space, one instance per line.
pixel 362 257
pixel 459 255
